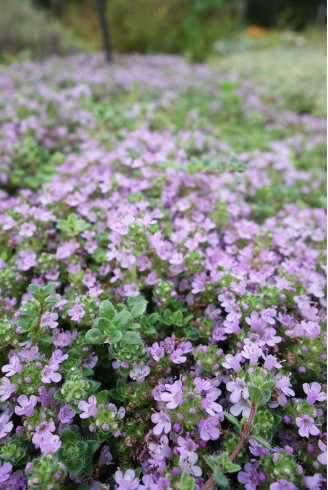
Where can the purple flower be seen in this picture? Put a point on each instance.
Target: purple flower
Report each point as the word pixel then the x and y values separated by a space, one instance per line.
pixel 43 431
pixel 49 320
pixel 26 260
pixel 46 396
pixel 252 352
pixel 322 458
pixel 307 426
pixel 26 405
pixel 208 429
pixel 243 407
pixel 233 362
pixel 27 229
pixel 139 372
pixel 6 389
pixel 283 485
pixel 13 367
pixel 66 250
pixel 105 457
pixel 313 482
pixel 16 481
pixel 130 290
pixel 5 425
pixel 250 477
pixel 5 471
pixel 66 414
pixel 178 357
pixel 173 394
pixel 89 408
pixel 76 312
pixel 188 456
pixel 156 351
pixel 209 404
pixel 283 388
pixel 126 481
pixel 239 390
pixel 271 362
pixel 162 421
pixel 58 357
pixel 257 449
pixel 314 393
pixel 50 444
pixel 49 374
pixel 202 386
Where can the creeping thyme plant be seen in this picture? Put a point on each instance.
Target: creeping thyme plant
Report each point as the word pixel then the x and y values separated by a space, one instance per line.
pixel 162 280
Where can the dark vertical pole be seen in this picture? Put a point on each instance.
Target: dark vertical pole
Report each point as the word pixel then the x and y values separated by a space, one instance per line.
pixel 101 5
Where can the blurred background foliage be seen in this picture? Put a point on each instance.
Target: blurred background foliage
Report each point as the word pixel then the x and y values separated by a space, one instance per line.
pixel 196 28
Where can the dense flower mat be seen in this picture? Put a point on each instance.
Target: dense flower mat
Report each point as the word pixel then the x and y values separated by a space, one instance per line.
pixel 162 280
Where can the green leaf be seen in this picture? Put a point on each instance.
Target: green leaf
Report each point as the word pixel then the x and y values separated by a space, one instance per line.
pixel 232 419
pixel 103 324
pixel 131 338
pixel 49 289
pixel 58 396
pixel 46 339
pixel 167 317
pixel 261 441
pixel 68 436
pixel 94 385
pixel 74 466
pixel 135 326
pixel 107 310
pixel 115 394
pixel 139 308
pixel 152 319
pixel 178 318
pixel 51 301
pixel 256 395
pixel 223 461
pixel 33 289
pixel 266 395
pixel 88 467
pixel 187 482
pixel 94 336
pixel 102 396
pixel 123 318
pixel 110 331
pixel 92 446
pixel 114 336
pixel 220 477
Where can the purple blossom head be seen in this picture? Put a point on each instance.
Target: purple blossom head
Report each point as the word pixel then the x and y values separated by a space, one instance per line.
pixel 173 395
pixel 126 481
pixel 77 312
pixel 314 393
pixel 89 408
pixel 282 484
pixel 66 414
pixel 6 425
pixel 162 421
pixel 257 449
pixel 306 426
pixel 208 429
pixel 139 372
pixel 105 457
pixel 25 405
pixel 5 472
pixel 251 477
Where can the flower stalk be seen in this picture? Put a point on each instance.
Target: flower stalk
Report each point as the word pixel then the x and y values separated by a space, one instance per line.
pixel 244 436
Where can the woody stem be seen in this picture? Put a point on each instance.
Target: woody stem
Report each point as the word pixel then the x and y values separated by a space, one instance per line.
pixel 243 438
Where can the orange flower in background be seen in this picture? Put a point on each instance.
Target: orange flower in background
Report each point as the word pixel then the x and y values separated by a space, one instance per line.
pixel 256 31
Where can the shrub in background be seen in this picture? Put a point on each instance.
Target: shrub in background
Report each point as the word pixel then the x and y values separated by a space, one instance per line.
pixel 190 27
pixel 24 28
